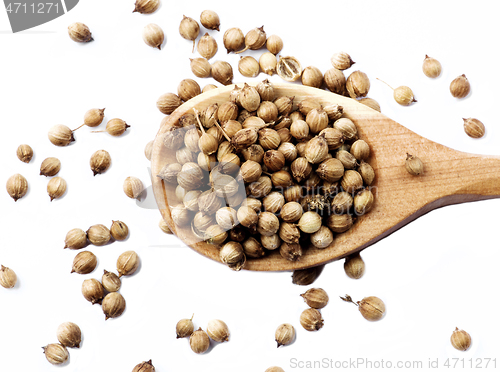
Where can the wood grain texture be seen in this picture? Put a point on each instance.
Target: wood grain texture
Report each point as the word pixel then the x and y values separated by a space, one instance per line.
pixel 449 177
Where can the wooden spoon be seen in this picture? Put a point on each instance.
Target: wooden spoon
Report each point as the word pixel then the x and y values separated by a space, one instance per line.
pixel 450 177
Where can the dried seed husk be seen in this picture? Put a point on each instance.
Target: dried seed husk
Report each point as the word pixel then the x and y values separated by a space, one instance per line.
pixel 56 188
pixel 119 230
pixel 284 105
pixel 367 172
pixel 248 66
pixel 169 172
pixel 24 153
pixel 8 277
pixel 111 282
pixel 146 6
pixel 347 159
pixel 291 251
pixel 289 68
pixel 460 87
pixel 93 291
pixel 233 39
pixel 274 160
pixel 311 320
pixel 98 235
pixel 253 248
pixel 164 227
pixel 363 202
pixel 316 150
pixel 335 81
pixel 227 111
pixel 310 222
pixel 306 276
pixel 250 171
pixel 17 186
pixel 253 152
pixel 127 263
pixel 187 89
pixel 153 35
pixel 404 96
pixel 144 367
pixel 133 187
pixel 358 84
pixel 301 169
pixel 371 103
pixel 267 111
pixel 84 263
pixel 184 328
pixel 116 127
pixel 316 298
pixel 148 150
pixel 207 46
pixel 285 334
pixel 75 239
pixel 215 235
pixel 351 181
pixel 266 90
pixel 312 77
pixel 61 135
pixel 431 67
pixel 232 255
pixel 209 19
pixel 189 29
pixel 371 308
pixel 69 334
pixel 268 63
pixel 347 127
pixel 225 148
pixel 80 33
pixel 342 202
pixel 460 339
pixel 217 330
pixel 342 61
pixel 354 266
pixel 414 165
pixel 199 341
pixel 168 102
pixel 113 305
pixel 56 354
pixel 99 162
pixel 274 44
pixel 474 128
pixel 208 144
pixel 268 224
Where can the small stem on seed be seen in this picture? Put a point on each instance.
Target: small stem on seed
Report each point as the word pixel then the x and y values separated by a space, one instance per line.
pixel 385 83
pixel 198 120
pixel 223 132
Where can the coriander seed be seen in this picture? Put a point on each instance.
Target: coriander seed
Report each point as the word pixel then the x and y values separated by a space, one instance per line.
pixel 335 81
pixel 189 29
pixel 168 102
pixel 289 68
pixel 311 320
pixel 322 238
pixel 24 153
pixel 199 341
pixel 291 251
pixel 61 135
pixel 133 187
pixel 233 255
pixel 207 46
pixel 316 298
pixel 100 161
pixel 75 239
pixel 371 308
pixel 153 35
pixel 431 67
pixel 113 305
pixel 148 150
pixel 50 167
pixel 127 263
pixel 84 263
pixel 164 227
pixel 460 87
pixel 93 118
pixel 414 165
pixel 111 282
pixel 354 266
pixel 187 89
pixel 268 63
pixel 56 188
pixel 144 367
pixel 275 369
pixel 233 39
pixel 222 72
pixel 119 230
pixel 460 340
pixel 8 277
pixel 17 186
pixel 146 6
pixel 184 328
pixel 363 202
pixel 55 353
pixel 285 334
pixel 367 172
pixel 316 150
pixel 200 67
pixel 254 39
pixel 217 330
pixel 474 128
pixel 253 248
pixel 248 66
pixel 352 181
pixel 342 61
pixel 307 276
pixel 312 77
pixel 115 127
pixel 93 291
pixel 80 33
pixel 358 84
pixel 69 334
pixel 371 103
pixel 215 235
pixel 310 222
pixel 274 44
pixel 209 19
pixel 98 235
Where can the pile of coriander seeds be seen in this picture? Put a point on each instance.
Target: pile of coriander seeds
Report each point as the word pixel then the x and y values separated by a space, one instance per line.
pixel 259 173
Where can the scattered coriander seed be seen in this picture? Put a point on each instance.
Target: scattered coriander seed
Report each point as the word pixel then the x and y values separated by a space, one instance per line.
pixel 285 334
pixel 98 235
pixel 474 128
pixel 164 227
pixel 133 187
pixel 168 102
pixel 92 118
pixel 199 341
pixel 127 263
pixel 217 330
pixel 233 39
pixel 144 367
pixel 371 308
pixel 146 6
pixel 274 44
pixel 371 103
pixel 148 150
pixel 113 305
pixel 268 63
pixel 431 67
pixel 93 291
pixel 55 353
pixel 17 186
pixel 402 95
pixel 100 161
pixel 80 33
pixel 275 369
pixel 311 320
pixel 358 84
pixel 115 127
pixel 248 66
pixel 306 276
pixel 119 230
pixel 414 165
pixel 84 263
pixel 222 72
pixel 354 266
pixel 200 67
pixel 61 135
pixel 207 46
pixel 209 19
pixel 189 29
pixel 184 327
pixel 460 87
pixel 335 81
pixel 254 39
pixel 8 277
pixel 312 77
pixel 50 167
pixel 289 68
pixel 24 153
pixel 111 282
pixel 460 340
pixel 56 188
pixel 342 61
pixel 316 298
pixel 69 334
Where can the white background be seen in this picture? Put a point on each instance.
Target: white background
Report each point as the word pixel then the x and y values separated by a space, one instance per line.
pixel 437 273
